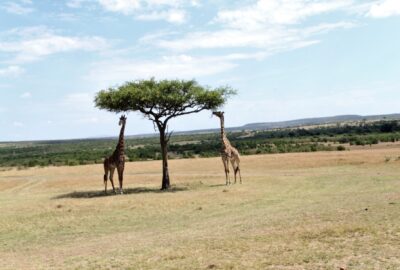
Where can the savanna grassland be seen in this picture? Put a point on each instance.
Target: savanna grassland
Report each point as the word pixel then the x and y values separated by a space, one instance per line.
pixel 319 210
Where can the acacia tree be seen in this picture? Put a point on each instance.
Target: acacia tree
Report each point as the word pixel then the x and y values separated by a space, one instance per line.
pixel 160 101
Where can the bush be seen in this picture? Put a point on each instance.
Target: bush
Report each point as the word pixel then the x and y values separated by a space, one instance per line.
pixel 341 148
pixel 73 163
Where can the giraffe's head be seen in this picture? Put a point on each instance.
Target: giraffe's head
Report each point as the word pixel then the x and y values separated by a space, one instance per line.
pixel 122 120
pixel 218 114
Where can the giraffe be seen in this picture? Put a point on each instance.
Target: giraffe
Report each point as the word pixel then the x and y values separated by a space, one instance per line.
pixel 228 152
pixel 116 160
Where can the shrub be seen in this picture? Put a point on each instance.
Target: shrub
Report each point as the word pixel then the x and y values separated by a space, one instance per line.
pixel 341 148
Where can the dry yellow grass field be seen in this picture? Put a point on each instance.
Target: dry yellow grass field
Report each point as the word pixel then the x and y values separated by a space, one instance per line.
pixel 325 210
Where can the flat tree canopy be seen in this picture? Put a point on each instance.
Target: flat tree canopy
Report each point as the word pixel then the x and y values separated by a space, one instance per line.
pixel 161 101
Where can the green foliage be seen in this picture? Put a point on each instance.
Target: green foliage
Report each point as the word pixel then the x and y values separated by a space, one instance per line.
pixel 165 98
pixel 341 148
pixel 161 101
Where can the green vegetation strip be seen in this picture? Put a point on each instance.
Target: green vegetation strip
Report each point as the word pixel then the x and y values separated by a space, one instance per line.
pixel 92 151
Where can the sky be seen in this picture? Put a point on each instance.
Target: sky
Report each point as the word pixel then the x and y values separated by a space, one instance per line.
pixel 287 59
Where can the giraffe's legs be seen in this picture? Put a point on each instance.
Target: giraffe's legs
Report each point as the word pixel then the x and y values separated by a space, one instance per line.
pixel 226 166
pixel 121 177
pixel 235 167
pixel 237 170
pixel 112 178
pixel 240 175
pixel 105 176
pixel 105 184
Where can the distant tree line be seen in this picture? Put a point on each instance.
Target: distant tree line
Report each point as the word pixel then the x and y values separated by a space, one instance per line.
pixel 93 151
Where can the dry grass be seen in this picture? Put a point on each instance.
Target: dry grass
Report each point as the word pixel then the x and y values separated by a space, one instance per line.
pixel 294 211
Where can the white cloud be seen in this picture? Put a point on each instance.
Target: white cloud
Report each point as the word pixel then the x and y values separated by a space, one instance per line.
pixel 11 71
pixel 273 39
pixel 183 66
pixel 130 6
pixel 276 12
pixel 75 3
pixel 68 17
pixel 20 8
pixel 326 27
pixel 268 25
pixel 164 2
pixel 169 10
pixel 17 124
pixel 26 95
pixel 227 38
pixel 32 43
pixel 172 16
pixel 385 8
pixel 123 6
pixel 195 3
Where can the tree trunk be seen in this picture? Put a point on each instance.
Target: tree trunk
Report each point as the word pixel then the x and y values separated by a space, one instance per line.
pixel 164 153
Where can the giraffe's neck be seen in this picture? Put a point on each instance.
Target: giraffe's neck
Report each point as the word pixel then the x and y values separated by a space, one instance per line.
pixel 120 145
pixel 224 139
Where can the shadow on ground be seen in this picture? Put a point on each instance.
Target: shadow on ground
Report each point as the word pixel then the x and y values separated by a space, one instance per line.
pixel 97 193
pixel 218 185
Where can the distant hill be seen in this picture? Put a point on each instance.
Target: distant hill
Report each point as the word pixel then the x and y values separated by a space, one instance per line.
pixel 298 123
pixel 319 121
pixel 266 125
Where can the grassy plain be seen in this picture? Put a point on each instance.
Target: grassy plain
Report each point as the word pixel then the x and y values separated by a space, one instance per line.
pixel 323 210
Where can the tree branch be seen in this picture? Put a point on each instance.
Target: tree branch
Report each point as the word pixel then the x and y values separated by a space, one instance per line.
pixel 169 134
pixel 154 126
pixel 184 113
